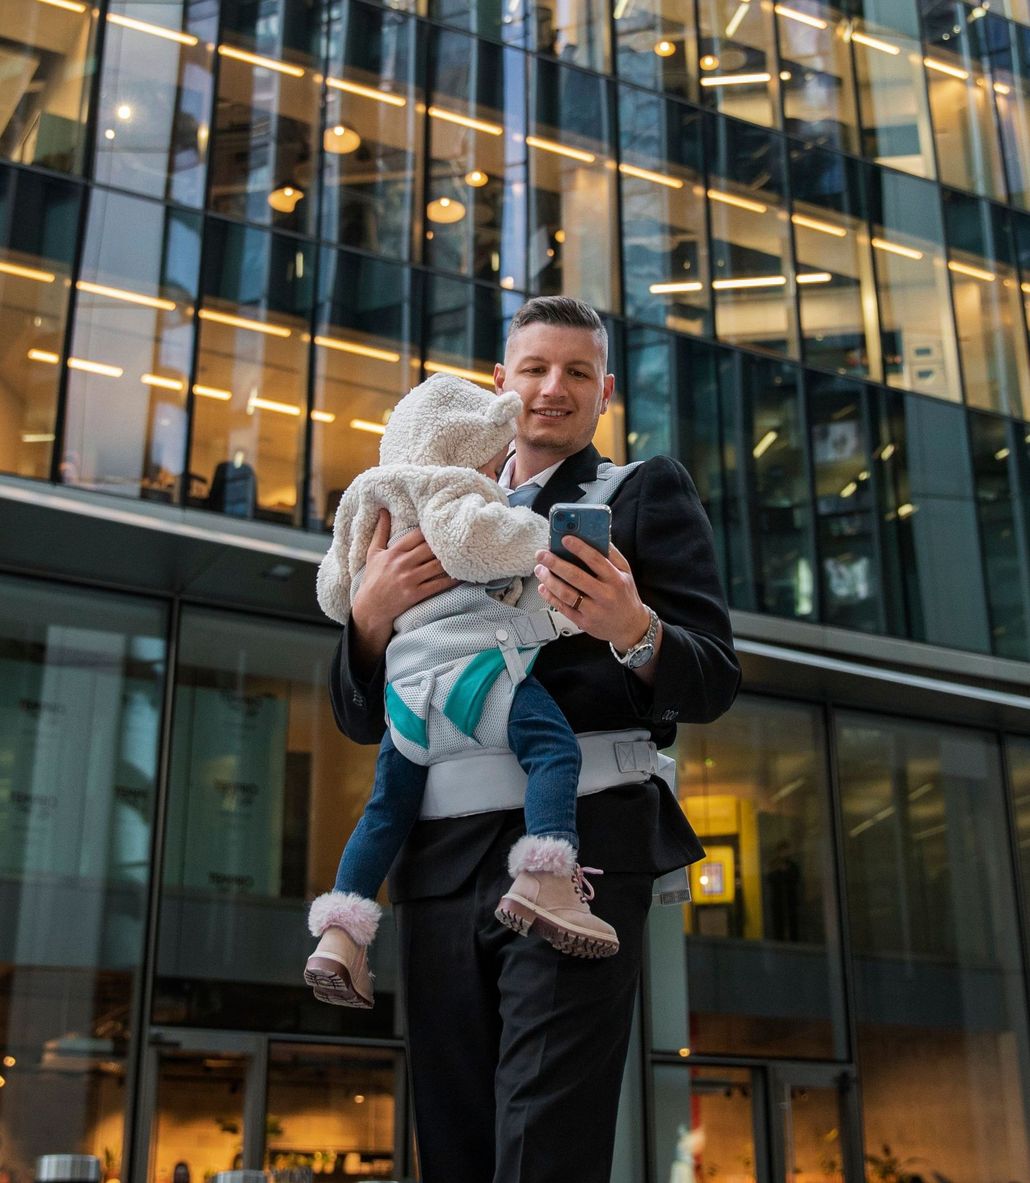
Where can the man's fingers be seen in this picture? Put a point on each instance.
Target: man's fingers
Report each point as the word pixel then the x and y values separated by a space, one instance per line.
pixel 409 541
pixel 617 558
pixel 381 534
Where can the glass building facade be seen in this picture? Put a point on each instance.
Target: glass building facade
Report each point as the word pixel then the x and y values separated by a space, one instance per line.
pixel 231 235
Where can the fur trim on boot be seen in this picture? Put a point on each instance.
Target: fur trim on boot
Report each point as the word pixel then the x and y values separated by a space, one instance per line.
pixel 554 856
pixel 357 916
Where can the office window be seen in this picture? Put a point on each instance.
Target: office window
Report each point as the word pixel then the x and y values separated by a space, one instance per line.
pixel 704 1117
pixel 263 793
pixel 845 504
pixel 250 396
pixel 939 994
pixel 988 305
pixel 572 226
pixel 751 257
pixel 816 79
pixel 475 214
pixel 918 331
pixel 38 224
pixel 664 243
pixel 656 46
pixel 1009 47
pixel 371 132
pixel 154 114
pixel 47 72
pixel 128 371
pixel 1017 757
pixel 81 687
pixel 753 786
pixel 364 361
pixel 737 59
pixel 840 328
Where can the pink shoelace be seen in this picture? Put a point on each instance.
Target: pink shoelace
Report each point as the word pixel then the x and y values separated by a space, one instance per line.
pixel 583 886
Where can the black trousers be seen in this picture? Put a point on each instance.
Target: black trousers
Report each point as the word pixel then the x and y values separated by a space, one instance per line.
pixel 517 1051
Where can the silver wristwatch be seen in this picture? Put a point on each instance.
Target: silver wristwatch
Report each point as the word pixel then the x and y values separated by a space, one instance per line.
pixel 642 652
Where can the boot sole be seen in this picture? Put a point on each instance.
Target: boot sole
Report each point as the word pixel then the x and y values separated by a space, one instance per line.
pixel 332 983
pixel 522 918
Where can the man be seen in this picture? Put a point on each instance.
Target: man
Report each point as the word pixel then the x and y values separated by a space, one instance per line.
pixel 517 1052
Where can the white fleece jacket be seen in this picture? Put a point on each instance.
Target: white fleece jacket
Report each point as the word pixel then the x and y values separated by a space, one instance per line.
pixel 437 436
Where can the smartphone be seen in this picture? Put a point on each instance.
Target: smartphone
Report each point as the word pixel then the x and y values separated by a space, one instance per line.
pixel 592 523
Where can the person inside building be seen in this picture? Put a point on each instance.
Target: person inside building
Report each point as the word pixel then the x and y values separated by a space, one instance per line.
pixel 516 1055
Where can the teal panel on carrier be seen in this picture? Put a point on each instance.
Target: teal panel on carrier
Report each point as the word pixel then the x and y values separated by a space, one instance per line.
pixel 404 719
pixel 464 705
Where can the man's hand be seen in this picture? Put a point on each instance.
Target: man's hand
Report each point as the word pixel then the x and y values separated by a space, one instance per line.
pixel 603 601
pixel 396 578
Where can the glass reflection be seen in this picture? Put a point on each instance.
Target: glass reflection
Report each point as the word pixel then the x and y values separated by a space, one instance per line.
pixel 154 114
pixel 816 79
pixel 125 418
pixel 47 73
pixel 38 221
pixel 576 31
pixel 1017 752
pixel 736 59
pixel 939 987
pixel 756 794
pixel 656 45
pixel 370 133
pixel 704 1124
pixel 1009 49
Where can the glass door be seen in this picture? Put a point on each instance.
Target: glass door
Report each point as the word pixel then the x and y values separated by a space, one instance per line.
pixel 813 1125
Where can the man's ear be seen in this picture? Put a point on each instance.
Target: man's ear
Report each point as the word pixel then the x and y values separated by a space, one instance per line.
pixel 499 378
pixel 607 391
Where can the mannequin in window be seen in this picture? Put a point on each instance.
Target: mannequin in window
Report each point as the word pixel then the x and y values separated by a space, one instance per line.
pixel 234 487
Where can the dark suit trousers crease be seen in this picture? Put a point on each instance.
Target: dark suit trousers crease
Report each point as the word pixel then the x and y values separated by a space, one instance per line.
pixel 517 1051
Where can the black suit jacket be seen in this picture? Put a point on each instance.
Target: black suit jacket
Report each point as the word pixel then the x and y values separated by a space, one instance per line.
pixel 659 525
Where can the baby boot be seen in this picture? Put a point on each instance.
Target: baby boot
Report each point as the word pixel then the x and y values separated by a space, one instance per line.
pixel 338 969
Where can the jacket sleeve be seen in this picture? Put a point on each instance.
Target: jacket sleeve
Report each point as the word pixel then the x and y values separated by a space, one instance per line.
pixel 356 697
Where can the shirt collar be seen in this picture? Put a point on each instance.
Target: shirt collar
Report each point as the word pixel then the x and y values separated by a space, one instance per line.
pixel 541 478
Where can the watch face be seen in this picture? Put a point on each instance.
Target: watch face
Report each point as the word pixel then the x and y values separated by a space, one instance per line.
pixel 640 656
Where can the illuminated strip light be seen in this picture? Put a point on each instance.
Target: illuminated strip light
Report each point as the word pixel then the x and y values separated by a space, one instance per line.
pixel 368 425
pixel 764 444
pixel 128 22
pixel 435 367
pixel 876 43
pixel 814 277
pixel 269 404
pixel 737 17
pixel 668 289
pixel 491 129
pixel 753 281
pixel 44 355
pixel 95 367
pixel 67 5
pixel 27 272
pixel 256 59
pixel 99 289
pixel 1001 88
pixel 803 18
pixel 212 392
pixel 560 149
pixel 163 383
pixel 1025 287
pixel 907 252
pixel 243 322
pixel 821 227
pixel 907 510
pixel 37 437
pixel 355 347
pixel 756 207
pixel 323 416
pixel 367 92
pixel 736 79
pixel 850 489
pixel 944 68
pixel 973 272
pixel 645 174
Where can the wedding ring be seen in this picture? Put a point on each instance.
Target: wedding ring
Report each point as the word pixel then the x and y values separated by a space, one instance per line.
pixel 577 602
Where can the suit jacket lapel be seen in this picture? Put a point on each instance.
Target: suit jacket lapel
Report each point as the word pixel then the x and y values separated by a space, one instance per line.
pixel 565 484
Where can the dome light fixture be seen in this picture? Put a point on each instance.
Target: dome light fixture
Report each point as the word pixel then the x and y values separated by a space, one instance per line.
pixel 709 62
pixel 445 211
pixel 341 140
pixel 665 49
pixel 284 199
pixel 476 178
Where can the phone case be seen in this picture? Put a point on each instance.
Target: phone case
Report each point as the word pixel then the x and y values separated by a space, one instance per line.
pixel 592 523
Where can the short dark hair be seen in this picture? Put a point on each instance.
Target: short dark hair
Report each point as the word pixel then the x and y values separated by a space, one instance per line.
pixel 564 311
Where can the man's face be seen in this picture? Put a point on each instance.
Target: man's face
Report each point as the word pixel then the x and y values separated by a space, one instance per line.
pixel 559 372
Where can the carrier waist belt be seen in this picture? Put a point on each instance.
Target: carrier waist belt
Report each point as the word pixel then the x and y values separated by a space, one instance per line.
pixel 490 779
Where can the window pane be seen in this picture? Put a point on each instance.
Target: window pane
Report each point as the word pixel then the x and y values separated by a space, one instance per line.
pixel 836 286
pixel 845 505
pixel 364 362
pixel 155 99
pixel 753 785
pixel 264 791
pixel 250 398
pixel 988 305
pixel 664 244
pixel 704 1125
pixel 1017 751
pixel 475 217
pixel 1010 61
pixel 79 673
pixel 38 224
pixel 915 306
pixel 818 92
pixel 572 207
pixel 656 44
pixel 47 71
pixel 940 1002
pixel 371 131
pixel 125 422
pixel 737 60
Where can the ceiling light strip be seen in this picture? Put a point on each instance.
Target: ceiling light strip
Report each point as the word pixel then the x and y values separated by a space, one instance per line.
pixel 755 207
pixel 270 404
pixel 736 79
pixel 906 252
pixel 368 425
pixel 128 22
pixel 367 92
pixel 27 272
pixel 259 60
pixel 161 382
pixel 645 174
pixel 212 392
pixel 876 43
pixel 819 227
pixel 972 272
pixel 669 289
pixel 803 18
pixel 43 355
pixel 435 367
pixel 491 129
pixel 752 281
pixel 243 322
pixel 560 149
pixel 814 277
pixel 944 68
pixel 100 289
pixel 67 5
pixel 357 348
pixel 95 367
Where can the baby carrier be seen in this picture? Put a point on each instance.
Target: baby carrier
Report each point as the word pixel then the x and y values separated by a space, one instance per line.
pixel 456 658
